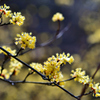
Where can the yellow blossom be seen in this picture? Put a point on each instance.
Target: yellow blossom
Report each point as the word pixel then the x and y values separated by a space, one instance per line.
pixel 96 89
pixel 5 11
pixel 26 40
pixel 57 16
pixel 17 18
pixel 53 64
pixel 80 76
pixel 4 74
pixel 37 66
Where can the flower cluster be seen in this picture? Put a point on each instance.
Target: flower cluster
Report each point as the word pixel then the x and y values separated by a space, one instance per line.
pixel 4 10
pixel 51 68
pixel 37 66
pixel 14 66
pixel 82 78
pixel 4 73
pixel 57 16
pixel 53 64
pixel 15 18
pixel 26 40
pixel 96 89
pixel 13 52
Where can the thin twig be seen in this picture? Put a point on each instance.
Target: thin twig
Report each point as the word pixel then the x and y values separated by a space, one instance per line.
pixel 89 92
pixel 68 79
pixel 19 52
pixel 65 90
pixel 27 76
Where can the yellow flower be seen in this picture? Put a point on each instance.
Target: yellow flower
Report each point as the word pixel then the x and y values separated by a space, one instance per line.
pixel 53 64
pixel 4 74
pixel 26 40
pixel 57 16
pixel 17 18
pixel 96 89
pixel 5 10
pixel 80 76
pixel 37 66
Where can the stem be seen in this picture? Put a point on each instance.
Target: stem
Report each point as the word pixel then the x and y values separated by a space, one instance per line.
pixel 19 51
pixel 68 79
pixel 88 92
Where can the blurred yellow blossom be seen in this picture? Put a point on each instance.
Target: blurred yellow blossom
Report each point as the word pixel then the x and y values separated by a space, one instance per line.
pixel 13 52
pixel 57 16
pixel 4 73
pixel 96 89
pixel 37 66
pixel 14 66
pixel 26 40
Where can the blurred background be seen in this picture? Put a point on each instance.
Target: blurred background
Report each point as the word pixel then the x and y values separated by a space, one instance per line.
pixel 82 40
